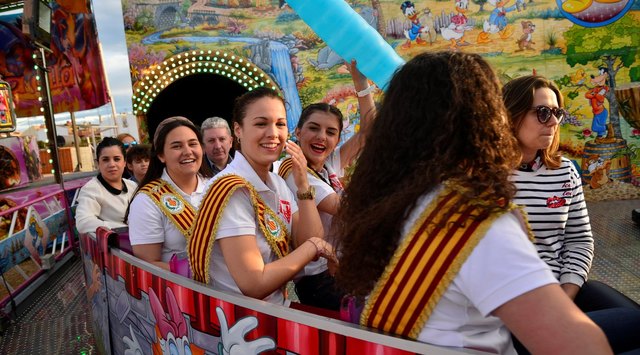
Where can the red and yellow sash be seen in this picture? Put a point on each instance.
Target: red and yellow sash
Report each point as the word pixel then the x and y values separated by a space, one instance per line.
pixel 287 166
pixel 180 212
pixel 206 224
pixel 425 263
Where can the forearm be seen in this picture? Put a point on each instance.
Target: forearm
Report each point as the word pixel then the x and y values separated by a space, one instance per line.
pixel 87 223
pixel 571 290
pixel 308 224
pixel 274 275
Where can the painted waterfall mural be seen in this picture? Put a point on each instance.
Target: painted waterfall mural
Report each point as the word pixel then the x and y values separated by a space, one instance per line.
pixel 588 47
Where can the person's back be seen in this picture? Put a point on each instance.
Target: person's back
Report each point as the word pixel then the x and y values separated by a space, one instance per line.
pixel 435 246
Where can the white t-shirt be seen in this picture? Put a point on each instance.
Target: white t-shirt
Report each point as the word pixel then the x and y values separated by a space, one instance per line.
pixel 323 190
pixel 238 218
pixel 149 225
pixel 98 207
pixel 503 266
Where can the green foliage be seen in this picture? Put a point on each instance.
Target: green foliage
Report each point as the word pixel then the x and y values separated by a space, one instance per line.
pixel 563 81
pixel 185 6
pixel 634 73
pixel 619 39
pixel 144 21
pixel 572 95
pixel 309 95
pixel 551 38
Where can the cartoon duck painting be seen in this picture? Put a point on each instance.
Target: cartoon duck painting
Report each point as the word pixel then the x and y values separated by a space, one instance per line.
pixel 455 31
pixel 415 31
pixel 497 22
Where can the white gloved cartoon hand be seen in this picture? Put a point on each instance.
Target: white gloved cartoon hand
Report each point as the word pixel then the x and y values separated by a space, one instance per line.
pixel 233 342
pixel 133 346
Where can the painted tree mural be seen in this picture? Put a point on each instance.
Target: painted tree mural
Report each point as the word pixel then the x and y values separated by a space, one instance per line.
pixel 614 46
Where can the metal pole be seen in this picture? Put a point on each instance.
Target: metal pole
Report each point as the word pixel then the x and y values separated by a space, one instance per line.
pixel 49 119
pixel 106 81
pixel 75 141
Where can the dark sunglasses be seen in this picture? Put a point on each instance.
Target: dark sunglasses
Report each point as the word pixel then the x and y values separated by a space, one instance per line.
pixel 543 113
pixel 127 145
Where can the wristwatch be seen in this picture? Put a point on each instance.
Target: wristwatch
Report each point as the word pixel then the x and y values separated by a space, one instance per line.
pixel 307 195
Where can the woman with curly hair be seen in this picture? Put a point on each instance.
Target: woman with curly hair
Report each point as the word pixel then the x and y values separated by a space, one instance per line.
pixel 434 244
pixel 549 188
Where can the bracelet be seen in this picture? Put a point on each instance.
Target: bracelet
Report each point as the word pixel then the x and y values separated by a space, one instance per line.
pixel 366 91
pixel 318 252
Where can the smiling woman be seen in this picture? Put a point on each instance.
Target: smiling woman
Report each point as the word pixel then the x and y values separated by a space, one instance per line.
pixel 164 206
pixel 249 218
pixel 103 200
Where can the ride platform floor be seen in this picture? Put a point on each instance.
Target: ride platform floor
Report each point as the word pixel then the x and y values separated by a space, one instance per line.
pixel 56 318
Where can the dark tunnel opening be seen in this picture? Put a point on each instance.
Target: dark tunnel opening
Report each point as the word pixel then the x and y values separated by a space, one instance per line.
pixel 196 97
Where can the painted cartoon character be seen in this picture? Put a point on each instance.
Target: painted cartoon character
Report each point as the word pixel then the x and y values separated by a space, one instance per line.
pixel 36 236
pixel 575 6
pixel 526 40
pixel 598 169
pixel 497 22
pixel 596 97
pixel 171 328
pixel 455 31
pixel 232 340
pixel 413 33
pixel 579 77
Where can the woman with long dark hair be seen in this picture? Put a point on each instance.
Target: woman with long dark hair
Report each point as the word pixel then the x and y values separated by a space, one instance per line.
pixel 318 134
pixel 165 204
pixel 249 220
pixel 431 240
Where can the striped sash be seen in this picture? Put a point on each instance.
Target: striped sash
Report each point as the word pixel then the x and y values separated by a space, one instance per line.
pixel 287 166
pixel 180 212
pixel 425 263
pixel 207 220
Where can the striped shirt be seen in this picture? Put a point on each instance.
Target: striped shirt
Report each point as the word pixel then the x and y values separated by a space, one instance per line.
pixel 557 213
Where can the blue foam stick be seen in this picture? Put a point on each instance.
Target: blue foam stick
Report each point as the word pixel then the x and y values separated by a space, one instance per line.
pixel 349 35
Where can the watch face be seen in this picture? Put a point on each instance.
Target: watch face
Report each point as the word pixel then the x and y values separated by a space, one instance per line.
pixel 307 195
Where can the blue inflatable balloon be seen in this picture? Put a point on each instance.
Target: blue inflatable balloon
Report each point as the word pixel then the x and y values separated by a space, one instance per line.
pixel 349 35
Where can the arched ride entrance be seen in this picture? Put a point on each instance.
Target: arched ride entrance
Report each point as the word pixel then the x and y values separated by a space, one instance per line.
pixel 196 84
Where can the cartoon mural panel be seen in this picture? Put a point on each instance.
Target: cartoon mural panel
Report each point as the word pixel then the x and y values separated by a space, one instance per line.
pixel 588 47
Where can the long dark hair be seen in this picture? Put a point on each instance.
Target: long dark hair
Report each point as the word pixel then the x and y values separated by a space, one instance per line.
pixel 442 119
pixel 518 95
pixel 155 165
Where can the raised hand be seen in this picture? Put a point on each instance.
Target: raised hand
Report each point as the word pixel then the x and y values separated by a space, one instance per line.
pixel 299 170
pixel 360 81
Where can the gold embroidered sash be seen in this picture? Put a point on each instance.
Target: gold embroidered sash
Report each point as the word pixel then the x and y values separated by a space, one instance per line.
pixel 425 263
pixel 287 166
pixel 206 224
pixel 180 212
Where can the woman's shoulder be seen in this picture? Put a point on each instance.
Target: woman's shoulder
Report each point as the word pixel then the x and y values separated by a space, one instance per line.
pixel 92 186
pixel 131 185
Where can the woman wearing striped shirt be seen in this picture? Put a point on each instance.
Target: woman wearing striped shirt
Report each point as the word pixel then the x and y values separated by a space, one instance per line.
pixel 550 190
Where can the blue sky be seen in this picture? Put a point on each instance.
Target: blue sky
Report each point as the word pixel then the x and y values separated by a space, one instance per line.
pixel 108 15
